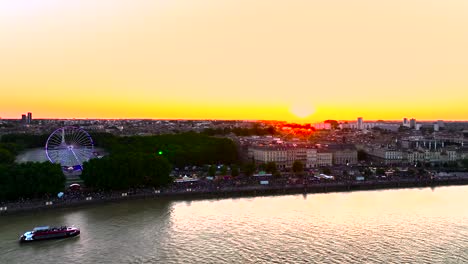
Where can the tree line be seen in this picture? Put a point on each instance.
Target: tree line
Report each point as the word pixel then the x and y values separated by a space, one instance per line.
pixel 30 180
pixel 138 161
pixel 238 131
pixel 24 141
pixel 123 171
pixel 26 180
pixel 133 161
pixel 179 149
pixel 8 152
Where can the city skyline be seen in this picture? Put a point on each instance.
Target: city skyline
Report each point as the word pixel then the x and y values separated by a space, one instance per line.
pixel 304 61
pixel 27 118
pixel 233 131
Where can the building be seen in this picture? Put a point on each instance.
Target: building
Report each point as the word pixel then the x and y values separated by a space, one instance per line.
pixel 311 158
pixel 432 156
pixel 463 152
pixel 388 126
pixel 387 155
pixel 324 126
pixel 29 118
pixel 451 155
pixel 360 123
pixel 441 123
pixel 405 122
pixel 415 156
pixel 324 158
pixel 343 154
pixel 284 157
pixel 24 119
pixel 412 123
pixel 265 155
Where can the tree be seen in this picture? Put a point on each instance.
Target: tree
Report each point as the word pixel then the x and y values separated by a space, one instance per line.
pixel 367 173
pixel 30 180
pixel 271 130
pixel 326 171
pixel 23 141
pixel 212 170
pixel 223 170
pixel 298 167
pixel 249 169
pixel 11 147
pixel 262 167
pixel 234 170
pixel 180 149
pixel 403 129
pixel 464 163
pixel 255 130
pixel 116 172
pixel 6 157
pixel 270 167
pixel 421 172
pixel 333 123
pixel 380 172
pixel 361 155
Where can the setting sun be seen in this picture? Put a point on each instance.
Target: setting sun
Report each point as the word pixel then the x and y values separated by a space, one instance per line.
pixel 302 110
pixel 170 59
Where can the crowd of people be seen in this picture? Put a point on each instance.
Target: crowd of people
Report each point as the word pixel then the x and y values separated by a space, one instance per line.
pixel 232 184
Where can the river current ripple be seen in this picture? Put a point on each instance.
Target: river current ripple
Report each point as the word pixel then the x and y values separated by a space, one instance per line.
pixel 387 226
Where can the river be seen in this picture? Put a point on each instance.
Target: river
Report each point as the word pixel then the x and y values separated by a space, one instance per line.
pixel 386 226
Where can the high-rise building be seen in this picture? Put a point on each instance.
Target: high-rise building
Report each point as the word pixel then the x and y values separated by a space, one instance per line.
pixel 412 123
pixel 436 127
pixel 29 119
pixel 24 119
pixel 360 123
pixel 441 123
pixel 405 122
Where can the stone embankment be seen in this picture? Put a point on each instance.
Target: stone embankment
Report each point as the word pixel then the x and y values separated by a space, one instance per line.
pixel 82 199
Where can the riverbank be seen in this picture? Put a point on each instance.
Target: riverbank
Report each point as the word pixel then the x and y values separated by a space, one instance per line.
pixel 225 192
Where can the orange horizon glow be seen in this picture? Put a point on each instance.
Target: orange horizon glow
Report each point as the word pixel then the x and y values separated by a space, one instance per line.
pixel 300 61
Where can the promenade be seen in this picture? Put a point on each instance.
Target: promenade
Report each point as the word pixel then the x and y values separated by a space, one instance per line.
pixel 200 191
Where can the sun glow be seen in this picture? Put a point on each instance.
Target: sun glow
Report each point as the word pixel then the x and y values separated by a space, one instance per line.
pixel 298 61
pixel 302 110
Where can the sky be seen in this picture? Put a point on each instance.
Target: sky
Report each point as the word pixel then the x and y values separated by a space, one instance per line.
pixel 295 60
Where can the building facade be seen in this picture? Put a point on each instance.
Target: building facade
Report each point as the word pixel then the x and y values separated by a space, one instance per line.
pixel 324 158
pixel 311 157
pixel 343 154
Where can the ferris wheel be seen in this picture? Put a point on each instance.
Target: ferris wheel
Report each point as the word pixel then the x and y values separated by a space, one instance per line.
pixel 70 147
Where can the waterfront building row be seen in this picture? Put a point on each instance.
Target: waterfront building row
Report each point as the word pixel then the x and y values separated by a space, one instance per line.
pixel 419 155
pixel 311 157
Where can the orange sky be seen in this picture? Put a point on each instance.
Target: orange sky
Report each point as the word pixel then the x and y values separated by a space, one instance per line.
pixel 234 59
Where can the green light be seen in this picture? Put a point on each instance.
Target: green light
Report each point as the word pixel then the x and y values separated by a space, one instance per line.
pixel 160 152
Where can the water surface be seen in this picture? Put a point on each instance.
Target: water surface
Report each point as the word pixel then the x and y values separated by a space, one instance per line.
pixel 385 226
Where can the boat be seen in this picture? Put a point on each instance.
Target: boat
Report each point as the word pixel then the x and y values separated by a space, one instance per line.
pixel 46 232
